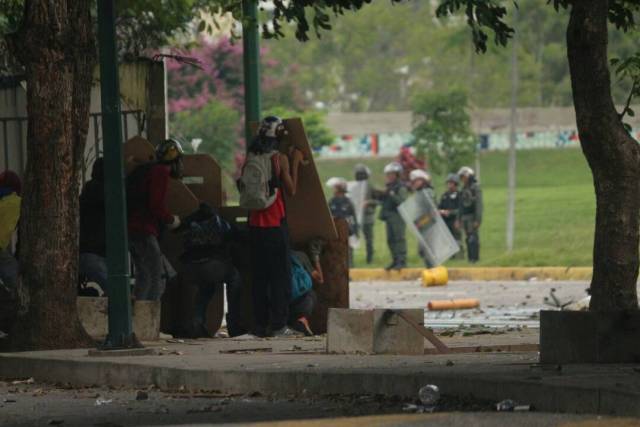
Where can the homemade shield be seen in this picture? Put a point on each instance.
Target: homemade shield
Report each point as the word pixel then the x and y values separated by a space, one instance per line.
pixel 9 215
pixel 357 192
pixel 423 219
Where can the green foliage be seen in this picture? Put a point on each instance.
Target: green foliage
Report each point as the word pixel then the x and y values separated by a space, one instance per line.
pixel 315 124
pixel 442 129
pixel 215 123
pixel 628 69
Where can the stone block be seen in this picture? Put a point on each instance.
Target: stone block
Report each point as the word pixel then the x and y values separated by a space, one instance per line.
pixel 589 337
pixel 93 313
pixel 373 332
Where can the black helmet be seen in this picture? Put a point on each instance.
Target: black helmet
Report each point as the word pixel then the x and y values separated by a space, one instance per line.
pixel 271 127
pixel 362 172
pixel 169 151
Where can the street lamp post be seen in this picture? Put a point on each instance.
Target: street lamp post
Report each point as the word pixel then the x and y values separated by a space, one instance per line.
pixel 251 60
pixel 120 326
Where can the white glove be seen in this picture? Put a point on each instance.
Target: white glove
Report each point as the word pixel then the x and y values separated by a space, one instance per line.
pixel 175 224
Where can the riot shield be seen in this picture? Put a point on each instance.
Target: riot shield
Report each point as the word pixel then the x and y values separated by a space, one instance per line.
pixel 421 215
pixel 357 193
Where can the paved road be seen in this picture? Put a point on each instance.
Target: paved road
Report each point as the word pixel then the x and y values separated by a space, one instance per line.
pixel 501 303
pixel 27 405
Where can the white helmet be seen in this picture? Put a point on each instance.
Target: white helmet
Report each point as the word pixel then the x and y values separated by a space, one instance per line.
pixel 466 171
pixel 393 167
pixel 335 181
pixel 419 174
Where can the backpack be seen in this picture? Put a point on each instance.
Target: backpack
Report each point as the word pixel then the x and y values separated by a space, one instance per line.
pixel 300 279
pixel 257 184
pixel 137 196
pixel 206 233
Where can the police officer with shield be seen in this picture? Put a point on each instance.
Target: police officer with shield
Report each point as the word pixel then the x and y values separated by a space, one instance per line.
pixel 396 193
pixel 449 208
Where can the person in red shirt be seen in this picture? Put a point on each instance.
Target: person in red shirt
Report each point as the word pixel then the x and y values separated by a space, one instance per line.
pixel 147 204
pixel 269 236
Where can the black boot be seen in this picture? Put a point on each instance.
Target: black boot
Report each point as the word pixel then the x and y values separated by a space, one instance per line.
pixel 391 266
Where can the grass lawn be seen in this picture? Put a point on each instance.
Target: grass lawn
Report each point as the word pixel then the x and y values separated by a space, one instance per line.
pixel 555 209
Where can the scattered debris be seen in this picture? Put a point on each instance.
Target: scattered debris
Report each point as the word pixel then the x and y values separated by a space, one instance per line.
pixel 100 401
pixel 27 381
pixel 205 409
pixel 175 341
pixel 509 405
pixel 554 301
pixel 453 304
pixel 580 305
pixel 248 350
pixel 505 405
pixel 142 395
pixel 410 407
pixel 449 363
pixel 429 396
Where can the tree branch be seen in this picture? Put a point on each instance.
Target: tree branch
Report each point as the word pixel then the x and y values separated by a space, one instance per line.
pixel 629 99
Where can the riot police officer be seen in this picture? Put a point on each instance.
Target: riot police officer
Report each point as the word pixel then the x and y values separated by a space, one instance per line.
pixel 342 207
pixel 449 208
pixel 471 212
pixel 395 193
pixel 363 173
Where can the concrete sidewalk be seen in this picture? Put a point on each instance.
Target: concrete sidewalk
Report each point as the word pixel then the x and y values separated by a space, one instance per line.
pixel 301 367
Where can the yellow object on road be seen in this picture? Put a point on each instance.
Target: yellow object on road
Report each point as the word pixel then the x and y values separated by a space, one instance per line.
pixel 438 276
pixel 9 215
pixel 453 304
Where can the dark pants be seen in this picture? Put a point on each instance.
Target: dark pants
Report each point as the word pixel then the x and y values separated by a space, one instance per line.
pixel 211 277
pixel 396 240
pixel 271 272
pixel 150 269
pixel 8 269
pixel 367 230
pixel 472 239
pixel 93 268
pixel 303 306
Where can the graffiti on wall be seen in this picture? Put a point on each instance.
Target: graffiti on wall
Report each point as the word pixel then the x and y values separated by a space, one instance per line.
pixel 389 144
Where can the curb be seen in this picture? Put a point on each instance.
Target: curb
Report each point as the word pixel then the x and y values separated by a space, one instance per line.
pixel 492 385
pixel 477 274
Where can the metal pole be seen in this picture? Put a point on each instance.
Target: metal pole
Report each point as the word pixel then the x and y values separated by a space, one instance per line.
pixel 120 329
pixel 251 59
pixel 511 197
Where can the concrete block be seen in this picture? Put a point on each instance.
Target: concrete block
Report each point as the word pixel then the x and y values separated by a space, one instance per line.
pixel 589 337
pixel 93 313
pixel 373 332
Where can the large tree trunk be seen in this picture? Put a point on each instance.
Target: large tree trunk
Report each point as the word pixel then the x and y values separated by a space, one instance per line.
pixel 56 47
pixel 614 158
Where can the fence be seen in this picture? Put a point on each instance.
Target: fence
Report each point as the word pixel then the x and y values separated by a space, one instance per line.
pixel 13 139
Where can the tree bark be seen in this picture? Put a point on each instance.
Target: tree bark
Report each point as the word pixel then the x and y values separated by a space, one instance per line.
pixel 57 49
pixel 613 156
